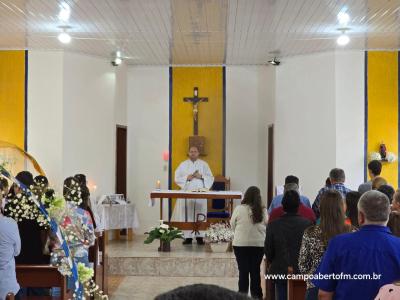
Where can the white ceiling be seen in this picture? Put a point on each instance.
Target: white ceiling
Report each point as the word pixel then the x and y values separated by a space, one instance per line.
pixel 199 31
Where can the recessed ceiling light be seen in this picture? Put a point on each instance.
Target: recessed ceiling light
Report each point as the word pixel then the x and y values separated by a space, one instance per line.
pixel 343 18
pixel 64 38
pixel 65 12
pixel 343 40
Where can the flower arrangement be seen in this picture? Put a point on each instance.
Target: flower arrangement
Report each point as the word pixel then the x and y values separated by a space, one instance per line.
pixel 219 233
pixel 383 154
pixel 164 233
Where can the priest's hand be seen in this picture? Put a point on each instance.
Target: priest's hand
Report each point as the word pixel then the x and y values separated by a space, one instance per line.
pixel 198 175
pixel 190 177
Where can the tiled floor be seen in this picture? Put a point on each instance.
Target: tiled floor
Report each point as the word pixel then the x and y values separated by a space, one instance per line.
pixel 147 288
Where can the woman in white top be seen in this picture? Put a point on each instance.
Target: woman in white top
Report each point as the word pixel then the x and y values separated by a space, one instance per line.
pixel 248 222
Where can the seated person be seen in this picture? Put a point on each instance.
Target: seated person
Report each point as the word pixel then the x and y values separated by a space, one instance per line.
pixel 277 200
pixel 10 246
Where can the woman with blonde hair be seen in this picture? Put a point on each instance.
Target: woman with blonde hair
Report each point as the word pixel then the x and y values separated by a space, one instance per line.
pixel 316 238
pixel 377 182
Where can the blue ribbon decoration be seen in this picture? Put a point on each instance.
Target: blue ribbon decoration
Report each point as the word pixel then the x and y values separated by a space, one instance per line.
pixel 54 228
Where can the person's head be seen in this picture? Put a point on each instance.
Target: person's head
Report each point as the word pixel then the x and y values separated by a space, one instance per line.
pixel 72 190
pixel 252 197
pixel 337 175
pixel 194 153
pixel 201 291
pixel 352 199
pixel 396 201
pixel 25 178
pixel 374 168
pixel 388 190
pixel 81 178
pixel 377 182
pixel 291 201
pixel 332 218
pixel 41 181
pixel 290 187
pixel 394 223
pixel 3 186
pixel 3 189
pixel 291 179
pixel 373 208
pixel 364 187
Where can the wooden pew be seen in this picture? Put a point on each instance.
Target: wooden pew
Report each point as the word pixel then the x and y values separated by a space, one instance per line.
pixel 42 276
pixel 10 296
pixel 296 289
pixel 100 266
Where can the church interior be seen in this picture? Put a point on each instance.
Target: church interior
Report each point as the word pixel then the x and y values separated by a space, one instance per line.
pixel 134 134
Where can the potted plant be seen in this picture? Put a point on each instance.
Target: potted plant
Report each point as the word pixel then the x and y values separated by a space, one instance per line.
pixel 165 234
pixel 219 237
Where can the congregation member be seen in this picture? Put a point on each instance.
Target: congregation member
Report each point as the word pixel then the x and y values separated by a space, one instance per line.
pixel 248 223
pixel 374 170
pixel 388 190
pixel 352 199
pixel 396 201
pixel 33 234
pixel 283 241
pixel 337 178
pixel 373 251
pixel 32 227
pixel 377 182
pixel 277 200
pixel 394 223
pixel 10 246
pixel 73 194
pixel 316 238
pixel 304 211
pixel 3 192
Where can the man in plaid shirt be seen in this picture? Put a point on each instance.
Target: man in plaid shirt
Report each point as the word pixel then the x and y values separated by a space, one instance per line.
pixel 337 178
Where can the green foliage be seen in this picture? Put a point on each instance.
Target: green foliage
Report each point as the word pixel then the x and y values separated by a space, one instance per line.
pixel 163 233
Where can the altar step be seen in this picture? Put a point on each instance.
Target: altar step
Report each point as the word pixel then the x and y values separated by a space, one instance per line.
pixel 134 258
pixel 173 266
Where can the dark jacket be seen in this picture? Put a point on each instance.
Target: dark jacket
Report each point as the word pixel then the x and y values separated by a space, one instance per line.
pixel 283 242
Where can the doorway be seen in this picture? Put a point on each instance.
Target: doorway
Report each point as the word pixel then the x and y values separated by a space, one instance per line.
pixel 270 172
pixel 121 160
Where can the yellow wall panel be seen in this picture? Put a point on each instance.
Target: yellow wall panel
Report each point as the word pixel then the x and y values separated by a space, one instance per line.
pixel 382 92
pixel 209 80
pixel 12 97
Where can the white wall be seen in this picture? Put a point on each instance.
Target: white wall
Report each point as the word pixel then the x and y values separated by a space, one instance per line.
pixel 148 131
pixel 45 112
pixel 319 118
pixel 89 120
pixel 249 111
pixel 350 104
pixel 74 104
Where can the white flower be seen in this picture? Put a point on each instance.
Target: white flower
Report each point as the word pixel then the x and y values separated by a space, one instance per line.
pixel 391 157
pixel 165 226
pixel 375 156
pixel 162 230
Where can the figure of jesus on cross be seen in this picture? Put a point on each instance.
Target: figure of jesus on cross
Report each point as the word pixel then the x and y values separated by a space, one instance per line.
pixel 195 100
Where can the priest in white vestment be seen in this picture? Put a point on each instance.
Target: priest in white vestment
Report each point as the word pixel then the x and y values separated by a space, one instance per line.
pixel 192 174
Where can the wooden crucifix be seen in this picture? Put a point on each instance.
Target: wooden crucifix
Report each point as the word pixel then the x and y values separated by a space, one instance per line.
pixel 196 140
pixel 195 100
